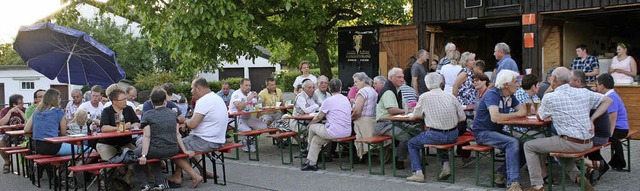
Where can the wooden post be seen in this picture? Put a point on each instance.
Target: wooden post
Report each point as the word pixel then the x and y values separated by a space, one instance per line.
pixel 383 64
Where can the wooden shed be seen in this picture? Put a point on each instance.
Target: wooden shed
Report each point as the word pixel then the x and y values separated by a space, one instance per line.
pixel 541 33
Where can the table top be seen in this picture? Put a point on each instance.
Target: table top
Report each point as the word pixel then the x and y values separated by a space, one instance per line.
pixel 305 116
pixel 8 127
pixel 525 121
pixel 260 110
pixel 402 118
pixel 16 132
pixel 470 107
pixel 73 139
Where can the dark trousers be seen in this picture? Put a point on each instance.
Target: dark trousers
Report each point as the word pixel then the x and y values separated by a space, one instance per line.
pixel 617 159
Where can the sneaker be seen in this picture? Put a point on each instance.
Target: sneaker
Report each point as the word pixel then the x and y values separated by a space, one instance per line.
pixel 159 187
pixel 515 186
pixel 534 189
pixel 444 174
pixel 466 162
pixel 245 147
pixel 416 177
pixel 145 188
pixel 252 148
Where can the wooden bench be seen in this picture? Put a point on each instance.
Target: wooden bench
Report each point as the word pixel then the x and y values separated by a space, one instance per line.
pixel 31 171
pixel 572 155
pixel 348 140
pixel 253 136
pixel 449 147
pixel 483 151
pixel 377 142
pixel 5 149
pixel 214 156
pixel 17 153
pixel 285 135
pixel 626 143
pixel 55 162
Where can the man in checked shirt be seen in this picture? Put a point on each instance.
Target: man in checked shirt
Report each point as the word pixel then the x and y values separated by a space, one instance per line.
pixel 585 62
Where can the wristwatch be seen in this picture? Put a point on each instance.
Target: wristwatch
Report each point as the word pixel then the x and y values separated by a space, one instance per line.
pixel 144 156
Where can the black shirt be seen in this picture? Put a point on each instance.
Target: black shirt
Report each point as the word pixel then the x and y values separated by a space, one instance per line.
pixel 107 118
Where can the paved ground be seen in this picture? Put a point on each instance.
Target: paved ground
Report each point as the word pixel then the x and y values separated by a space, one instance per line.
pixel 270 174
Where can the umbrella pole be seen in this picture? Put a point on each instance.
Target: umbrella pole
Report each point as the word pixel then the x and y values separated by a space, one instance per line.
pixel 69 73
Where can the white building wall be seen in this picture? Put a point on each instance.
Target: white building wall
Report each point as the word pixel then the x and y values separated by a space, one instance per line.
pixel 13 78
pixel 260 62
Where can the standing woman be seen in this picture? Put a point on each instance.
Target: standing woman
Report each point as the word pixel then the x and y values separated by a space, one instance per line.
pixel 451 71
pixel 304 68
pixel 623 67
pixel 463 86
pixel 364 111
pixel 46 122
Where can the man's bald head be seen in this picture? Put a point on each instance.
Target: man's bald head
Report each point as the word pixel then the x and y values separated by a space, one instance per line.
pixel 561 75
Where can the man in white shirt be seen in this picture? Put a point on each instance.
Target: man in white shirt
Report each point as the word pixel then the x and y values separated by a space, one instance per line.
pixel 322 92
pixel 239 101
pixel 208 124
pixel 94 106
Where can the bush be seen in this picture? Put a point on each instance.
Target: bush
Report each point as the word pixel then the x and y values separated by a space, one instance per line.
pixel 284 78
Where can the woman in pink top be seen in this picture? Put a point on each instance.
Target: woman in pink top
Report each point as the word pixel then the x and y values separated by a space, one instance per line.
pixel 623 67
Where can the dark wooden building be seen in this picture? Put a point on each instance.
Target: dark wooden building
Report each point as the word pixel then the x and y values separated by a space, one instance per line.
pixel 541 33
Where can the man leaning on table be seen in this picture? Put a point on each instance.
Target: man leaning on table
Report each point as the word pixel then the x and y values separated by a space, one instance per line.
pixel 569 107
pixel 441 112
pixel 241 99
pixel 495 106
pixel 390 103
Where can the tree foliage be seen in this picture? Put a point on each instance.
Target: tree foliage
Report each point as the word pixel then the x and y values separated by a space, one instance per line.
pixel 202 34
pixel 8 56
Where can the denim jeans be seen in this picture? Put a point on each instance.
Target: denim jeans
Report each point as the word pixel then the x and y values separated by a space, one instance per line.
pixel 429 137
pixel 512 148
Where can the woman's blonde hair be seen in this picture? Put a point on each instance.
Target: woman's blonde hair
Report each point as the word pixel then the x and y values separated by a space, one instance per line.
pixel 51 99
pixel 80 117
pixel 465 57
pixel 455 57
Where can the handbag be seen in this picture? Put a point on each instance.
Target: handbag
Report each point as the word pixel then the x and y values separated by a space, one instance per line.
pixel 126 156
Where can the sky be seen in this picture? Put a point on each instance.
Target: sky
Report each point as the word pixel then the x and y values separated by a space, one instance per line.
pixel 14 13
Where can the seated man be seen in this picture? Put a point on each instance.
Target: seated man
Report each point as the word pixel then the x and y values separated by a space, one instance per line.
pixel 390 103
pixel 495 106
pixel 441 112
pixel 569 107
pixel 527 94
pixel 240 100
pixel 208 125
pixel 270 96
pixel 225 92
pixel 305 103
pixel 322 92
pixel 337 111
pixel 148 105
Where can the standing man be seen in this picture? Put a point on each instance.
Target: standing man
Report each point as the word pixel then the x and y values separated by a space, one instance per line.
pixel 132 94
pixel 503 54
pixel 446 59
pixel 337 111
pixel 239 101
pixel 418 72
pixel 269 96
pixel 225 93
pixel 441 112
pixel 569 107
pixel 208 125
pixel 322 92
pixel 390 103
pixel 495 106
pixel 587 63
pixel 94 106
pixel 37 98
pixel 72 106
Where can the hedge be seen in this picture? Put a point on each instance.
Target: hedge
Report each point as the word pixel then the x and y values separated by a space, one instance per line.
pixel 284 78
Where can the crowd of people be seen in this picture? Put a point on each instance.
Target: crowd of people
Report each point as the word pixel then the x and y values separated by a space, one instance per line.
pixel 582 117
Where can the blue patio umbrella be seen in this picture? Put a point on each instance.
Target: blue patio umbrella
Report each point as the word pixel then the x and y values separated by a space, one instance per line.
pixel 65 53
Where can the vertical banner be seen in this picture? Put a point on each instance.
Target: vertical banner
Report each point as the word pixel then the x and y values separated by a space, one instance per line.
pixel 528 40
pixel 358 51
pixel 529 19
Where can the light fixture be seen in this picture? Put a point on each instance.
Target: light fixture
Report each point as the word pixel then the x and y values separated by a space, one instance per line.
pixel 502 24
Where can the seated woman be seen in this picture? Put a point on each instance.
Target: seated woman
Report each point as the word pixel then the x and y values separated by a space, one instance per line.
pixel 161 139
pixel 46 122
pixel 109 147
pixel 364 111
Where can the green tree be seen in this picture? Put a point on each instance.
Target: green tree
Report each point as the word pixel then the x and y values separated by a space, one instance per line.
pixel 202 34
pixel 8 56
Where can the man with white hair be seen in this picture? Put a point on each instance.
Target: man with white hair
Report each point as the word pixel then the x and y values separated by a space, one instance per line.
pixel 503 54
pixel 569 107
pixel 390 103
pixel 441 112
pixel 378 83
pixel 446 59
pixel 72 106
pixel 495 106
pixel 321 92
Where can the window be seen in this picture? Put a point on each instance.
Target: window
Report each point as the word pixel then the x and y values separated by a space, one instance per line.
pixel 28 85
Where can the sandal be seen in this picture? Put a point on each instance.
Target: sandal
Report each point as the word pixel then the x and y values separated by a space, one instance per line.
pixel 5 169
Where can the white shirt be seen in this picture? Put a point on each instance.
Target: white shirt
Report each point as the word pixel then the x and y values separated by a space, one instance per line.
pixel 301 104
pixel 238 96
pixel 450 73
pixel 213 126
pixel 300 78
pixel 95 111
